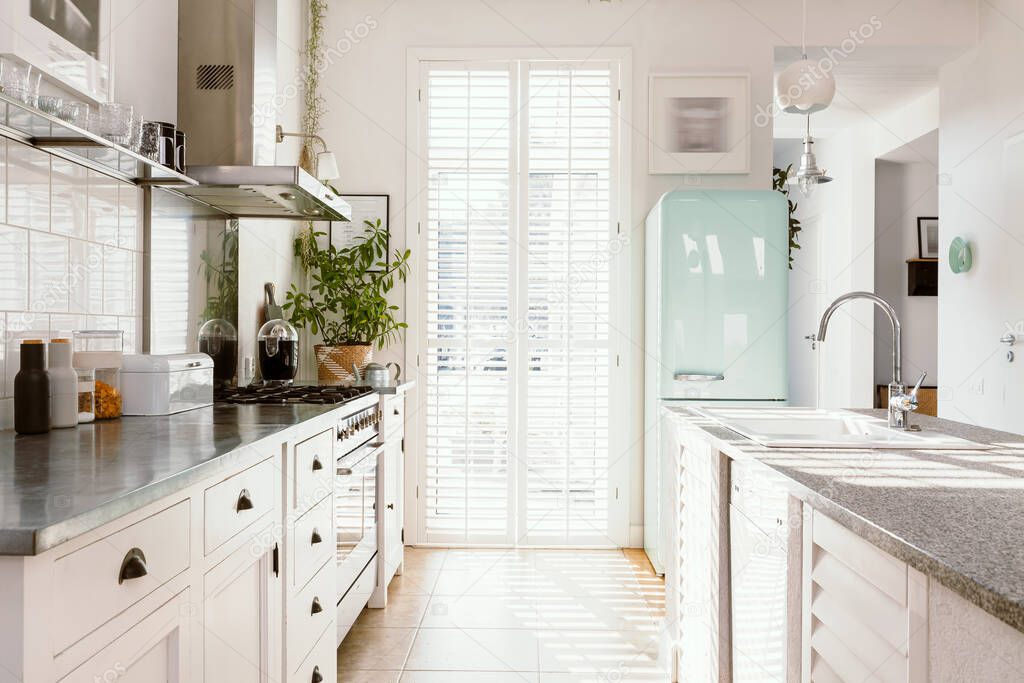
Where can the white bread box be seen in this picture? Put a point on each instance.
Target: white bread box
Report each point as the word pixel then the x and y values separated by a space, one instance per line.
pixel 167 384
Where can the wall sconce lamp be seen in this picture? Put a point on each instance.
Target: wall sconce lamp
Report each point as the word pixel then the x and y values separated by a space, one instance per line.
pixel 326 162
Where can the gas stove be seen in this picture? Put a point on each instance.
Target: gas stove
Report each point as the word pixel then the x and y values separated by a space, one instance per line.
pixel 283 394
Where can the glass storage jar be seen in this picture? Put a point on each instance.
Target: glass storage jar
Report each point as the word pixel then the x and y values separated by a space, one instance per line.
pixel 102 351
pixel 278 351
pixel 86 395
pixel 218 339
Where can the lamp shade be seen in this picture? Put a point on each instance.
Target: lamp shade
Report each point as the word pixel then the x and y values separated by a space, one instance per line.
pixel 804 88
pixel 326 166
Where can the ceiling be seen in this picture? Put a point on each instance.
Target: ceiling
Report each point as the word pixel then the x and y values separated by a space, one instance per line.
pixel 869 82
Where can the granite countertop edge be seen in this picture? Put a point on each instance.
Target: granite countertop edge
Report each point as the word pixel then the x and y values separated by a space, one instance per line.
pixel 967 584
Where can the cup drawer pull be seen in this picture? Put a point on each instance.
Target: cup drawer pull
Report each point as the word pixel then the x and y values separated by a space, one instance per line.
pixel 317 677
pixel 244 501
pixel 317 608
pixel 316 537
pixel 133 566
pixel 317 465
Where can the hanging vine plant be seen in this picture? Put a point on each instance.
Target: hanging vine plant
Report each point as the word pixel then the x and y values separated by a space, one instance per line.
pixel 313 110
pixel 779 178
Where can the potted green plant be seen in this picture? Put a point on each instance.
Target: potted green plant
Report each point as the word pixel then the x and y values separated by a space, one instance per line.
pixel 346 303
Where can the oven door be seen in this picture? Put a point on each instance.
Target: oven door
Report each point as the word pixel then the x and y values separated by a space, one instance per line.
pixel 355 516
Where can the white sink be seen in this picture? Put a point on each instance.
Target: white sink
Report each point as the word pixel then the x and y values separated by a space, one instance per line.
pixel 819 428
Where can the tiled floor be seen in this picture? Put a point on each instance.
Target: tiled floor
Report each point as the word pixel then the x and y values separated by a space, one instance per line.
pixel 497 616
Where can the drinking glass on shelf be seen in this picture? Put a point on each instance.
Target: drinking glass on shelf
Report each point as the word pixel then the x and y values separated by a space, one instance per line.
pixel 75 113
pixel 51 104
pixel 13 79
pixel 149 145
pixel 135 134
pixel 114 122
pixel 30 95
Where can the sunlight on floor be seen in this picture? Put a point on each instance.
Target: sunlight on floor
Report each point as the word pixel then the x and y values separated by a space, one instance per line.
pixel 497 616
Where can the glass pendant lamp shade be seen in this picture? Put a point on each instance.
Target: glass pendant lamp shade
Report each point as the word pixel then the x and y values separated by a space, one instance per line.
pixel 804 88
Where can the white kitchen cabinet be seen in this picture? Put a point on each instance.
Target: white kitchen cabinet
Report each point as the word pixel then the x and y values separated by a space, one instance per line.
pixel 697 570
pixel 155 649
pixel 391 487
pixel 865 614
pixel 242 617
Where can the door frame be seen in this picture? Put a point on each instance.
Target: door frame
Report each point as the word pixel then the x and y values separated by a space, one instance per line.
pixel 622 436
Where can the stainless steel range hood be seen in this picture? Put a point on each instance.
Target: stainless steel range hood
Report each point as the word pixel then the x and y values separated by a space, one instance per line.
pixel 227 90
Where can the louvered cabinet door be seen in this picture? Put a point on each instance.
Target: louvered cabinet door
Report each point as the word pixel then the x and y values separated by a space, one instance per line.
pixel 864 611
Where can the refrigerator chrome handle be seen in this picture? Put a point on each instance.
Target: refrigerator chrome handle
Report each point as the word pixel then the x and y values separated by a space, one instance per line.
pixel 697 377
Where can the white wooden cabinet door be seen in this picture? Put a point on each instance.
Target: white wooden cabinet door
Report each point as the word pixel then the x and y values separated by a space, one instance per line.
pixel 155 650
pixel 242 618
pixel 391 484
pixel 865 613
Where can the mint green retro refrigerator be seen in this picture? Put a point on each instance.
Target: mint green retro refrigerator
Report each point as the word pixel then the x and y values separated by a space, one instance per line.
pixel 717 290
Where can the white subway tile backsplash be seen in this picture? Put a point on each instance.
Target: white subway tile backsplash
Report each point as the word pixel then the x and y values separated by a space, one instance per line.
pixel 118 282
pixel 48 272
pixel 70 255
pixel 28 186
pixel 85 277
pixel 129 227
pixel 103 208
pixel 69 192
pixel 13 268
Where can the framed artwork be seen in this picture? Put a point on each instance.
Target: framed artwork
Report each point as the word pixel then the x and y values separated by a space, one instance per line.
pixel 699 123
pixel 365 207
pixel 68 41
pixel 928 237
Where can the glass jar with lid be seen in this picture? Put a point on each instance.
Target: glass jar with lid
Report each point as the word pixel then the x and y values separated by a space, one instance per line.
pixel 278 351
pixel 219 340
pixel 102 351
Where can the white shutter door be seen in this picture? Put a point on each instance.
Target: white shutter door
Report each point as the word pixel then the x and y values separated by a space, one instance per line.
pixel 569 227
pixel 469 383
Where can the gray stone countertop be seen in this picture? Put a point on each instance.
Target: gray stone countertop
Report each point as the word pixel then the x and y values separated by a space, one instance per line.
pixel 957 516
pixel 56 486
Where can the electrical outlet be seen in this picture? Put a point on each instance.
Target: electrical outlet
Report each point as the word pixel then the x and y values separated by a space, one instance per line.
pixel 977 386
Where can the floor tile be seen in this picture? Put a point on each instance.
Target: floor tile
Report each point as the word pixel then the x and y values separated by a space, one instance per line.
pixel 607 677
pixel 416 581
pixel 357 676
pixel 440 649
pixel 469 677
pixel 627 611
pixel 425 558
pixel 481 611
pixel 403 610
pixel 611 652
pixel 375 648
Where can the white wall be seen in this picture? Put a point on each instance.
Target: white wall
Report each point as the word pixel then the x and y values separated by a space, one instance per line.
pixel 366 90
pixel 144 56
pixel 980 199
pixel 902 193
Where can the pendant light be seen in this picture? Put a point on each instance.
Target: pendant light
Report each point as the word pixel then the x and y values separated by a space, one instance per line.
pixel 808 175
pixel 803 87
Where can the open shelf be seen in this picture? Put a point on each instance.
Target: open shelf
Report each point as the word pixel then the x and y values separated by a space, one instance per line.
pixel 24 123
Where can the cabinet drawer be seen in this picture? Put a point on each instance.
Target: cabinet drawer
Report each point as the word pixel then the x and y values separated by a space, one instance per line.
pixel 237 502
pixel 351 605
pixel 91 586
pixel 310 612
pixel 313 477
pixel 394 417
pixel 321 664
pixel 307 553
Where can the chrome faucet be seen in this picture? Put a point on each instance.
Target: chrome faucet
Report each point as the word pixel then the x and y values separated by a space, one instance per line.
pixel 901 403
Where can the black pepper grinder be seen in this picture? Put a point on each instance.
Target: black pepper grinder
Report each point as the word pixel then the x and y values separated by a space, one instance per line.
pixel 32 390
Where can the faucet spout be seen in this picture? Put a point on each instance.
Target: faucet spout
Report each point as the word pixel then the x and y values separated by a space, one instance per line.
pixel 890 312
pixel 900 404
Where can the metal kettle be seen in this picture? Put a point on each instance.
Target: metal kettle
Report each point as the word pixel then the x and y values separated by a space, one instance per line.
pixel 376 375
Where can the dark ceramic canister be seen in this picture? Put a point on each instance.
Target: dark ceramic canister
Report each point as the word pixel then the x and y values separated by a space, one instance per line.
pixel 165 143
pixel 32 390
pixel 179 151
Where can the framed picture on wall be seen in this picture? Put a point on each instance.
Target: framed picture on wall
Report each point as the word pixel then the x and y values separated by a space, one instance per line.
pixel 365 207
pixel 928 237
pixel 699 123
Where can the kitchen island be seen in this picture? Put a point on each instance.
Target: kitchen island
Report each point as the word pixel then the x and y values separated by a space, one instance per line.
pixel 895 564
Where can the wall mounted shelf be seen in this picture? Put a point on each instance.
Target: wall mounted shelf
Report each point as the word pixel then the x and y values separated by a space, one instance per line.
pixel 31 126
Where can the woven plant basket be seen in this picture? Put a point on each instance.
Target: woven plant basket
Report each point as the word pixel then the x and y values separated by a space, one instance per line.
pixel 334 363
